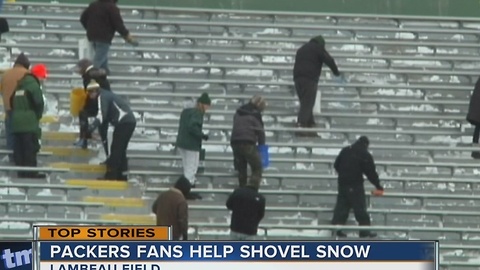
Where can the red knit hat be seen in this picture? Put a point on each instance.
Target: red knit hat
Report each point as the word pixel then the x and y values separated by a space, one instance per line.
pixel 40 71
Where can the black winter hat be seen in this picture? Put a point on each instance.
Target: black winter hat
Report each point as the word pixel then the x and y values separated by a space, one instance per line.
pixel 22 60
pixel 364 141
pixel 320 40
pixel 183 185
pixel 204 99
pixel 83 64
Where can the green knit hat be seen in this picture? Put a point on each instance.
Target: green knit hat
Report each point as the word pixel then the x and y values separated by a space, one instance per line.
pixel 204 99
pixel 320 40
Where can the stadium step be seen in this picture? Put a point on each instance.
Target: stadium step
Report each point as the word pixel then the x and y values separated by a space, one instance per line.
pixel 60 136
pixel 16 236
pixel 80 168
pixel 98 184
pixel 131 219
pixel 68 151
pixel 117 202
pixel 46 119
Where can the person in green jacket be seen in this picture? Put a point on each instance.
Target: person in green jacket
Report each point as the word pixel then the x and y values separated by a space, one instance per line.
pixel 27 110
pixel 190 136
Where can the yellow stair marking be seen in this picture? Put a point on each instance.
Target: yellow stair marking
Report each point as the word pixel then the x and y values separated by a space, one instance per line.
pixel 49 119
pixel 60 136
pixel 117 202
pixel 82 168
pixel 131 219
pixel 68 151
pixel 98 184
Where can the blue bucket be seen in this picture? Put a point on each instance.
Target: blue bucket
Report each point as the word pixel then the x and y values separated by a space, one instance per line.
pixel 264 156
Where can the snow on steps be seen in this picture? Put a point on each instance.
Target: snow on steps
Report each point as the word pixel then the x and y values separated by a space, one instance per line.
pixel 98 184
pixel 131 219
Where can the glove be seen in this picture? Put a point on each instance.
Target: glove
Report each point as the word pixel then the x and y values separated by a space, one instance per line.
pixel 377 192
pixel 131 40
pixel 205 137
pixel 93 126
pixel 340 79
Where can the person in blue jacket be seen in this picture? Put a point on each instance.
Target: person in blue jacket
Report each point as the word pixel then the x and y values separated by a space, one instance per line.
pixel 113 110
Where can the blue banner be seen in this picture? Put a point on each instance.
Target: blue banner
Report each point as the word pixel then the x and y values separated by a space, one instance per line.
pixel 16 255
pixel 234 251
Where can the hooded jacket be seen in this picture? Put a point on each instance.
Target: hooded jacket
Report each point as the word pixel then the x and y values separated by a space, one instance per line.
pixel 113 109
pixel 248 126
pixel 352 163
pixel 171 209
pixel 309 60
pixel 248 209
pixel 102 19
pixel 11 78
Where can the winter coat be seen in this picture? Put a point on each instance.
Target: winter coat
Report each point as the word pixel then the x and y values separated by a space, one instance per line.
pixel 473 116
pixel 113 109
pixel 248 126
pixel 92 73
pixel 171 209
pixel 248 209
pixel 9 83
pixel 352 163
pixel 102 19
pixel 27 106
pixel 309 61
pixel 190 133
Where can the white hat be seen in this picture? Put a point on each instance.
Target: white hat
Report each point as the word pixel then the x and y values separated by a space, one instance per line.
pixel 93 85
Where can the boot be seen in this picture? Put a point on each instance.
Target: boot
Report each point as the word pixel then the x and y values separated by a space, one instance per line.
pixel 301 133
pixel 341 234
pixel 38 176
pixel 367 234
pixel 305 133
pixel 83 143
pixel 475 155
pixel 110 175
pixel 193 196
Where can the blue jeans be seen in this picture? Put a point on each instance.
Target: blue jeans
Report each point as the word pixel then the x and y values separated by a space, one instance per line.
pixel 100 59
pixel 8 131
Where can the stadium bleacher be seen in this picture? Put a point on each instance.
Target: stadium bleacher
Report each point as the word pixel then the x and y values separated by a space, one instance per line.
pixel 409 84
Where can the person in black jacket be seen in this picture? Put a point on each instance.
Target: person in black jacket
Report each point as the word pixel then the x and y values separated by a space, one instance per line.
pixel 351 164
pixel 113 110
pixel 473 117
pixel 309 60
pixel 248 209
pixel 102 19
pixel 88 72
pixel 247 132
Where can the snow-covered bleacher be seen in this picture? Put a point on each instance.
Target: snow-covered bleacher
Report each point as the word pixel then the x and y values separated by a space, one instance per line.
pixel 409 81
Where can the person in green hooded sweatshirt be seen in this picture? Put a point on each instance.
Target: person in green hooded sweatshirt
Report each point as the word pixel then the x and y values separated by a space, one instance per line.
pixel 190 136
pixel 27 110
pixel 309 61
